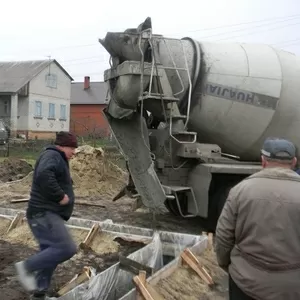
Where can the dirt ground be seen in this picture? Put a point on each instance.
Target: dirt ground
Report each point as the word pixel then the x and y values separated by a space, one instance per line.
pixel 13 169
pixel 185 284
pixel 19 244
pixel 97 179
pixel 9 285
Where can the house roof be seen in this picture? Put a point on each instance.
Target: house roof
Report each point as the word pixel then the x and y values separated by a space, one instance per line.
pixel 15 74
pixel 96 94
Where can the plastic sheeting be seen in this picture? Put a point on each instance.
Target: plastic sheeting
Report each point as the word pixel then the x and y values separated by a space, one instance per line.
pixel 114 282
pixel 197 248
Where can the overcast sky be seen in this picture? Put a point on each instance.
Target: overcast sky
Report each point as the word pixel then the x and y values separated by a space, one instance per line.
pixel 69 30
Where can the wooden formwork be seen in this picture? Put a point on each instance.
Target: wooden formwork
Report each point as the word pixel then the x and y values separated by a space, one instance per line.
pixel 85 274
pixel 146 291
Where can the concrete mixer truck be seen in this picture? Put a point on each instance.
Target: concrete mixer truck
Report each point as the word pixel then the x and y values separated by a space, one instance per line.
pixel 190 117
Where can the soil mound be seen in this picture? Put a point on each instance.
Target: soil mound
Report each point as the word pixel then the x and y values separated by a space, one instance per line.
pixel 12 169
pixel 94 174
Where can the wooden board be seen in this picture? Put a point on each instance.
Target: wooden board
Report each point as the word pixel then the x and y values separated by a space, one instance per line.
pixel 17 220
pixel 90 236
pixel 144 290
pixel 189 258
pixel 134 267
pixel 80 278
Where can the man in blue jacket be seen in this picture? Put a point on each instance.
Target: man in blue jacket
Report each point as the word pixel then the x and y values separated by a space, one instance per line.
pixel 50 205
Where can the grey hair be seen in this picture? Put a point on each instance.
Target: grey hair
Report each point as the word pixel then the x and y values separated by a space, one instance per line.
pixel 278 160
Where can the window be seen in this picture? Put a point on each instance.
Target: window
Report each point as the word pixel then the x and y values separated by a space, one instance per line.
pixel 63 112
pixel 38 109
pixel 51 111
pixel 51 81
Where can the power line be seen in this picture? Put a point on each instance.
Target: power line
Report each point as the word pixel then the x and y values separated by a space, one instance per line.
pixel 286 41
pixel 258 26
pixel 292 44
pixel 287 18
pixel 269 29
pixel 88 59
pixel 238 24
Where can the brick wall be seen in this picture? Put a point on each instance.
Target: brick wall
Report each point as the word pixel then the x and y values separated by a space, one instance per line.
pixel 88 119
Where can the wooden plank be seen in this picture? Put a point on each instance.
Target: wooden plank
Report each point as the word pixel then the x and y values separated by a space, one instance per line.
pixel 80 278
pixel 85 203
pixel 90 236
pixel 196 266
pixel 17 220
pixel 165 272
pixel 153 292
pixel 146 291
pixel 210 241
pixel 134 267
pixel 89 204
pixel 197 262
pixel 142 276
pixel 19 200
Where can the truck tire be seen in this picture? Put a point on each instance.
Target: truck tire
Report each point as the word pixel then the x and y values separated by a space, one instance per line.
pixel 217 201
pixel 172 206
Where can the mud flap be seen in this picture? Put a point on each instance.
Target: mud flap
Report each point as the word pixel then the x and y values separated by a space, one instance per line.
pixel 133 140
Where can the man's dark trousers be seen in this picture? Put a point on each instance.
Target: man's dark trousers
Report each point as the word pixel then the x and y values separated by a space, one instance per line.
pixel 56 246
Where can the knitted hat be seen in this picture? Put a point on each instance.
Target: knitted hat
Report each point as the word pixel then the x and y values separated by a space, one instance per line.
pixel 66 139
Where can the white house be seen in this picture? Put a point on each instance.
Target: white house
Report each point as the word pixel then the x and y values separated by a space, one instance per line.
pixel 35 97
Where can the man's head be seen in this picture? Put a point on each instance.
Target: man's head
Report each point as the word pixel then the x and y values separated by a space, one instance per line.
pixel 278 153
pixel 67 143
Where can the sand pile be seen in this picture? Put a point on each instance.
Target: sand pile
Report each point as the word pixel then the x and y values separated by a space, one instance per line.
pixel 12 169
pixel 185 284
pixel 95 175
pixel 103 243
pixel 92 172
pixel 16 189
pixel 20 234
pixel 4 225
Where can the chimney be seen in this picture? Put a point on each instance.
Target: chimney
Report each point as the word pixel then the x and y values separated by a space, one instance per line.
pixel 86 82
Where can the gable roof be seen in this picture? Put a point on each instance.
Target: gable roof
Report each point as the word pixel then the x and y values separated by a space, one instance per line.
pixel 15 74
pixel 96 94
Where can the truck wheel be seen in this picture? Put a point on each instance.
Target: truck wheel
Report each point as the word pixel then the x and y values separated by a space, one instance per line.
pixel 172 206
pixel 217 201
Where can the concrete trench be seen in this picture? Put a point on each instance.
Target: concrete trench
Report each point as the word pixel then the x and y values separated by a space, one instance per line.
pixel 161 251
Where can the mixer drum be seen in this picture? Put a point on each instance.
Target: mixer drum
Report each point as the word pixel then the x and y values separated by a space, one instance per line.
pixel 244 94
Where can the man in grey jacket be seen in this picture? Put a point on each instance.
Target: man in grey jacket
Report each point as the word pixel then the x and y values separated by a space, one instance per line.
pixel 258 232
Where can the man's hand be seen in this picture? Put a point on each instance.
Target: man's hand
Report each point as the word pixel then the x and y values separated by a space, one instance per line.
pixel 65 200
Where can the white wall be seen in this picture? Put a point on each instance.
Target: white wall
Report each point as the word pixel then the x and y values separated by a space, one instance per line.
pixel 5 106
pixel 39 91
pixel 23 112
